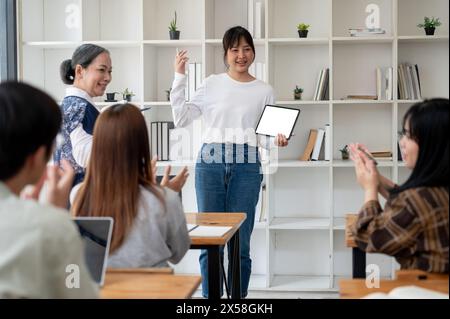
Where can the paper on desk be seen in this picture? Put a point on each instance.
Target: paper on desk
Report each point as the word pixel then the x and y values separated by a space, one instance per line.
pixel 191 226
pixel 208 231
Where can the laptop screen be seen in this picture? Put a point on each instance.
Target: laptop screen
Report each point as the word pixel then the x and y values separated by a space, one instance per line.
pixel 96 234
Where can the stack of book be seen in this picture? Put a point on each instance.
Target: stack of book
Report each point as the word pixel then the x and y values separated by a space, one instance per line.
pixel 318 145
pixel 321 90
pixel 382 155
pixel 194 79
pixel 360 97
pixel 365 32
pixel 160 140
pixel 409 82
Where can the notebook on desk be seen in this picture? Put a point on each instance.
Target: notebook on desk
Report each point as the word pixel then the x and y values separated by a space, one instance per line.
pixel 96 234
pixel 207 231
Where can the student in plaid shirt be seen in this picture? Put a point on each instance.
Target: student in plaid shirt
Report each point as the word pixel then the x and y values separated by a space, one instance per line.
pixel 413 226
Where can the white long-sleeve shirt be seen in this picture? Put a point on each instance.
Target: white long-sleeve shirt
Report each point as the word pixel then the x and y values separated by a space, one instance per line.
pixel 80 139
pixel 230 109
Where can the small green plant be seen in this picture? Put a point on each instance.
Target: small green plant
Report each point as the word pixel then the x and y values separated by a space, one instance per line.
pixel 429 23
pixel 345 152
pixel 127 94
pixel 173 23
pixel 168 94
pixel 298 90
pixel 298 93
pixel 303 26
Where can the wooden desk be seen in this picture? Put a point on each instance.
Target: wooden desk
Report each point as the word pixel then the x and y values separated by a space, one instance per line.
pixel 148 285
pixel 213 244
pixel 416 274
pixel 356 288
pixel 358 256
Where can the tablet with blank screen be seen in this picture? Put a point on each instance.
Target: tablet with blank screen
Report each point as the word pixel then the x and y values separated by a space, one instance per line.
pixel 276 120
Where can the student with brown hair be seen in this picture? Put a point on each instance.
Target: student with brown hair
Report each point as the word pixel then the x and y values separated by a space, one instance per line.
pixel 413 225
pixel 149 222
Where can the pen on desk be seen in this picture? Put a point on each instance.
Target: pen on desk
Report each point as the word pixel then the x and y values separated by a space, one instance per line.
pixel 368 155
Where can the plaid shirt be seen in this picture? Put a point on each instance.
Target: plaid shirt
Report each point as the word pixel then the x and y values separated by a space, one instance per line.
pixel 413 228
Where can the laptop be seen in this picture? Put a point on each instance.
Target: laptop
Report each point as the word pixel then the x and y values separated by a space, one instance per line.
pixel 96 234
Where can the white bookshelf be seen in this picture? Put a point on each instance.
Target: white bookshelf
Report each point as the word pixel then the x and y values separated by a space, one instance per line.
pixel 301 245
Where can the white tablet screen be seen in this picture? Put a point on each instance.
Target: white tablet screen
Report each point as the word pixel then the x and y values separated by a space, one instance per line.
pixel 277 119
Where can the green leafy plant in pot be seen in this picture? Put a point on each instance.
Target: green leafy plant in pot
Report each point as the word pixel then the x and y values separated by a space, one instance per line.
pixel 345 152
pixel 303 30
pixel 173 31
pixel 127 94
pixel 298 93
pixel 429 25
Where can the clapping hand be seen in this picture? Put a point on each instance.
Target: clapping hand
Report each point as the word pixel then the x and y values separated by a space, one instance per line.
pixel 59 183
pixel 366 171
pixel 176 183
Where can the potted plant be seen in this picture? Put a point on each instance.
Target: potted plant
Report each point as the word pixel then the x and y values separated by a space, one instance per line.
pixel 168 94
pixel 298 93
pixel 127 94
pixel 173 31
pixel 429 25
pixel 303 30
pixel 345 153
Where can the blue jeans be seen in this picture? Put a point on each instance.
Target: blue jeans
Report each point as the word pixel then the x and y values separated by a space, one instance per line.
pixel 228 179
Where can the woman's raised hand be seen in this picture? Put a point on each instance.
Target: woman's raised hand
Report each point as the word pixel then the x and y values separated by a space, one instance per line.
pixel 180 62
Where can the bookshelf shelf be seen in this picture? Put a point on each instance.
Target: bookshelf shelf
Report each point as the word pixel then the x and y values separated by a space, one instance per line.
pixel 299 223
pixel 298 41
pixel 423 38
pixel 297 102
pixel 300 283
pixel 349 163
pixel 297 163
pixel 294 252
pixel 339 223
pixel 359 40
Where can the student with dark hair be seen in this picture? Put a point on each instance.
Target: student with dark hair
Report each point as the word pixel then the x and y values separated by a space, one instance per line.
pixel 88 73
pixel 37 242
pixel 413 226
pixel 149 221
pixel 227 173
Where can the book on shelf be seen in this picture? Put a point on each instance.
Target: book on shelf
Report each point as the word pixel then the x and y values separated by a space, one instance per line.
pixel 322 85
pixel 260 69
pixel 384 83
pixel 381 154
pixel 361 97
pixel 250 16
pixel 160 139
pixel 327 144
pixel 365 32
pixel 409 87
pixel 309 145
pixel 258 20
pixel 315 156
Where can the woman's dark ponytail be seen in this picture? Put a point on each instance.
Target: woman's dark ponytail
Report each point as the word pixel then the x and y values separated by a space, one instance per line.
pixel 67 72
